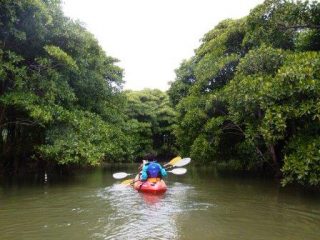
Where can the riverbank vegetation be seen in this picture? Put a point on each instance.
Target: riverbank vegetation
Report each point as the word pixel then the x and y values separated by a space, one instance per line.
pixel 61 98
pixel 249 97
pixel 150 121
pixel 60 93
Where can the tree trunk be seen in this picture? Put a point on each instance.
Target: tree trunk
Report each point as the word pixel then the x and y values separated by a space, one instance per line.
pixel 2 115
pixel 275 162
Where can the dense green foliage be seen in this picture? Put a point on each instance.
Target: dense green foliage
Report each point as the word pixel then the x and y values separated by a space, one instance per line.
pixel 61 99
pixel 150 123
pixel 249 97
pixel 60 95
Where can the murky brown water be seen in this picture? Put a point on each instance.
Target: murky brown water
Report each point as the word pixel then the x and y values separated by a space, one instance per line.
pixel 199 205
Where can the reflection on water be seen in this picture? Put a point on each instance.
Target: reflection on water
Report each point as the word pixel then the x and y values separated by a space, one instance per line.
pixel 198 205
pixel 145 216
pixel 151 199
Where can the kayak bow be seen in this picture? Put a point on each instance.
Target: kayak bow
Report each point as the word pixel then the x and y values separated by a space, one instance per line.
pixel 152 185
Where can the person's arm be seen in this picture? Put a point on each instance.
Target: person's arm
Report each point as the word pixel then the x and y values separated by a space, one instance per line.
pixel 163 171
pixel 144 174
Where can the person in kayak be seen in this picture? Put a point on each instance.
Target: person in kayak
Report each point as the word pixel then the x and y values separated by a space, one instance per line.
pixel 144 162
pixel 152 170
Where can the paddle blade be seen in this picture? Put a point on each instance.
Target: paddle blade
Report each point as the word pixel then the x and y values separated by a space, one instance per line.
pixel 182 162
pixel 128 181
pixel 178 171
pixel 173 161
pixel 120 175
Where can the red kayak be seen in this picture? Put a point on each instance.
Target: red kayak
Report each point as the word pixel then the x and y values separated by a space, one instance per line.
pixel 152 185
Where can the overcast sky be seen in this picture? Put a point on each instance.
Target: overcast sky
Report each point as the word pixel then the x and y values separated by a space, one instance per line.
pixel 152 37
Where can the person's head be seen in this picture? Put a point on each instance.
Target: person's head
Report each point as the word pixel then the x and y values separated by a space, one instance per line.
pixel 150 157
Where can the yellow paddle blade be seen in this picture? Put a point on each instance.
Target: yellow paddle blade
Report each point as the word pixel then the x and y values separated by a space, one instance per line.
pixel 128 181
pixel 173 161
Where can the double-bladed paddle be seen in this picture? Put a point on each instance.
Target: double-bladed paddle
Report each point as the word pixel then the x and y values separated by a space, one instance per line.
pixel 175 162
pixel 176 171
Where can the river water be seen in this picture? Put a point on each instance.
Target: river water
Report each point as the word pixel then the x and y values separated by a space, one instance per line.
pixel 202 204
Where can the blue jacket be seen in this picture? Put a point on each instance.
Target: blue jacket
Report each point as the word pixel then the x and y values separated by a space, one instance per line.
pixel 152 169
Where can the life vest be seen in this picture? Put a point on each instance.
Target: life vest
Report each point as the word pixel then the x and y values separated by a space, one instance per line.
pixel 153 170
pixel 153 180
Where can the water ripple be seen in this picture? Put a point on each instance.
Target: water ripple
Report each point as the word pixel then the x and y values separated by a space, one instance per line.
pixel 142 216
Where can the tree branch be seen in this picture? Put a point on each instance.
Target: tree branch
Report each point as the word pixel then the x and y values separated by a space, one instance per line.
pixel 21 122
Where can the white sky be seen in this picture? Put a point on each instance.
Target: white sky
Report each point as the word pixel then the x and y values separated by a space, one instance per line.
pixel 152 37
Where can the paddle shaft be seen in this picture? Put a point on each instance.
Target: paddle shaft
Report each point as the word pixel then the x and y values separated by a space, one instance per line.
pixel 178 171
